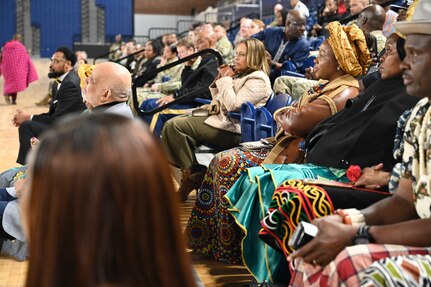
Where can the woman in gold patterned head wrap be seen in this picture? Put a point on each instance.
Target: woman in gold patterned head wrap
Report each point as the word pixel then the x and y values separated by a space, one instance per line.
pixel 342 57
pixel 349 47
pixel 320 102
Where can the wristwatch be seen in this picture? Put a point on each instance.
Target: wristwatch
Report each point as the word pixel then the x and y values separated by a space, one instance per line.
pixel 363 235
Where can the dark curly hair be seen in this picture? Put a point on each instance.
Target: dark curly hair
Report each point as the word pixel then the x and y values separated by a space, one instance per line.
pixel 69 55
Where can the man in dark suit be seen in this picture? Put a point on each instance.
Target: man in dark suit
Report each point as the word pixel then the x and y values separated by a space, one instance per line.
pixel 66 99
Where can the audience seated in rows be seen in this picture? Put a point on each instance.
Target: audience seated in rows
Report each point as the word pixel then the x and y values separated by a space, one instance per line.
pixel 328 154
pixel 211 228
pixel 106 88
pixel 166 81
pixel 126 50
pixel 398 225
pixel 89 221
pixel 343 141
pixel 247 80
pixel 191 79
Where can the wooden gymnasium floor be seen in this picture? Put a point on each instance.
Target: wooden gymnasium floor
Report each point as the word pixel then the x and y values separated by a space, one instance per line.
pixel 12 273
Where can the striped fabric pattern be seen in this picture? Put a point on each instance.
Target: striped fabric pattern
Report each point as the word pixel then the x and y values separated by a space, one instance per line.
pixel 411 270
pixel 349 266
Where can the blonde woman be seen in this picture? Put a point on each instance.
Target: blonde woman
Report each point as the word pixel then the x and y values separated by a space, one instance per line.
pixel 246 80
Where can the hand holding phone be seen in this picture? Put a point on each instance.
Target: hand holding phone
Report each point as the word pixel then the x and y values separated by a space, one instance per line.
pixel 303 233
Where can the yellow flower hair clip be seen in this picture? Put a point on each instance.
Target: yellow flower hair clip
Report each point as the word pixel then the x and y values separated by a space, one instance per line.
pixel 85 71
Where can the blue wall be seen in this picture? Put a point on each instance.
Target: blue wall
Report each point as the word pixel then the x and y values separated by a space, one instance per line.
pixel 60 21
pixel 7 20
pixel 118 17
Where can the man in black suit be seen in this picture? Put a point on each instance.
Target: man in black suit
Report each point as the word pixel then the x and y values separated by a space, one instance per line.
pixel 66 98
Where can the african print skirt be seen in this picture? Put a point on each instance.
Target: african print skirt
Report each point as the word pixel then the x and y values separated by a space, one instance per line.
pixel 211 229
pixel 250 198
pixel 292 203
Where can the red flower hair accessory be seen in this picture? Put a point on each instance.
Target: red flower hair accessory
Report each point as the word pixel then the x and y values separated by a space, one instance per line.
pixel 354 173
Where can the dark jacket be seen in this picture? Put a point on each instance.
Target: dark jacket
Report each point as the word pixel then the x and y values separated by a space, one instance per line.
pixel 67 99
pixel 364 133
pixel 203 75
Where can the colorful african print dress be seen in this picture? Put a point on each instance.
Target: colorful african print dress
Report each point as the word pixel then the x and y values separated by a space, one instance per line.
pixel 250 197
pixel 351 265
pixel 211 229
pixel 295 201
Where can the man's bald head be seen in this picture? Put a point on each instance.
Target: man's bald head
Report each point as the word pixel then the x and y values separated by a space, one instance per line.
pixel 109 82
pixel 356 6
pixel 295 24
pixel 205 40
pixel 371 18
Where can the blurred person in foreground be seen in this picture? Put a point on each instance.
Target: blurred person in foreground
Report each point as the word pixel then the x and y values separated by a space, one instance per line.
pixel 98 235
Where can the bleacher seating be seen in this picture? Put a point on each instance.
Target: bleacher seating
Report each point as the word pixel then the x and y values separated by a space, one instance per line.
pixel 309 62
pixel 265 126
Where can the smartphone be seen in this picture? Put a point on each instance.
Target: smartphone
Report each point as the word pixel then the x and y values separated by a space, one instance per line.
pixel 303 233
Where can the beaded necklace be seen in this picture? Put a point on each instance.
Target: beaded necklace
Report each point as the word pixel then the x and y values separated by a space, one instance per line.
pixel 317 89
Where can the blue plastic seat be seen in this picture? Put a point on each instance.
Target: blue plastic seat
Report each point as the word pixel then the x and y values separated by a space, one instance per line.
pixel 265 125
pixel 202 101
pixel 309 62
pixel 278 101
pixel 315 42
pixel 248 119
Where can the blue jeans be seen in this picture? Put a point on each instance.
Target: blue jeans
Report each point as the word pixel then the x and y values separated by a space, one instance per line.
pixel 5 198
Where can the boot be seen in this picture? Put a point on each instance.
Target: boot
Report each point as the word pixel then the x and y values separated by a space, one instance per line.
pixel 13 99
pixel 7 99
pixel 189 182
pixel 45 101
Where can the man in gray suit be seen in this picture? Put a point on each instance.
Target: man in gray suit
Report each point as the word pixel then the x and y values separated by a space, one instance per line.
pixel 106 90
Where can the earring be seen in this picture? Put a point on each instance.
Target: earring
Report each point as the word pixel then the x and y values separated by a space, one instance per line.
pixel 338 68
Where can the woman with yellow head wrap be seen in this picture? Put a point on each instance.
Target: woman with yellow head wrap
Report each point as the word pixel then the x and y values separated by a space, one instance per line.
pixel 342 57
pixel 211 218
pixel 349 47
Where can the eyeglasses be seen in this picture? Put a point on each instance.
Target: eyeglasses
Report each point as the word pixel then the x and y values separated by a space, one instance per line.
pixel 57 61
pixel 297 24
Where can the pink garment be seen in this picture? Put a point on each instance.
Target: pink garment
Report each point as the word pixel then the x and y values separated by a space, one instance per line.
pixel 17 68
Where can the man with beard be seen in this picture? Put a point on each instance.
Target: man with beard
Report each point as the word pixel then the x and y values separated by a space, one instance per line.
pixel 66 98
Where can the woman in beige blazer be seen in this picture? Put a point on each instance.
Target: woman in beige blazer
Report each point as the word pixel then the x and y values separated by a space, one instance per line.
pixel 245 80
